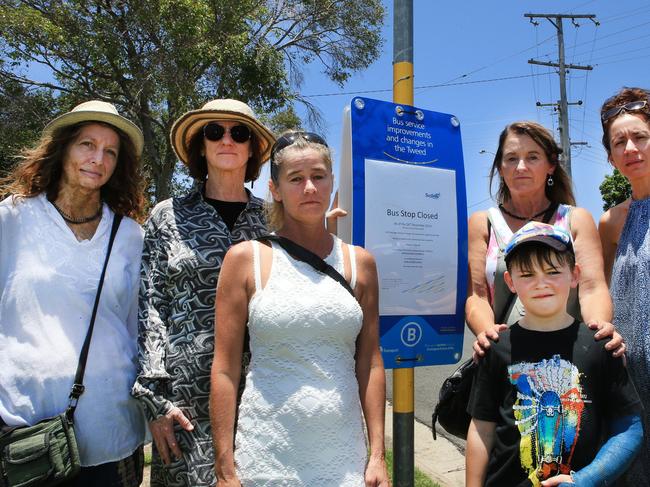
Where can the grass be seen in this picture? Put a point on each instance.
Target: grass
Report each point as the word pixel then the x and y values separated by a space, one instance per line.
pixel 421 480
pixel 147 454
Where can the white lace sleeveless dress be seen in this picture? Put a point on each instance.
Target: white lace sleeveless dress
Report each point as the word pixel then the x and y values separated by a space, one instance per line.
pixel 300 419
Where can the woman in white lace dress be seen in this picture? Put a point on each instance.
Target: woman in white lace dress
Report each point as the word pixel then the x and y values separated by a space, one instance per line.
pixel 316 372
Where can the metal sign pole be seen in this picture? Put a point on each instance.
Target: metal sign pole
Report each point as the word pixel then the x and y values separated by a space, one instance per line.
pixel 403 378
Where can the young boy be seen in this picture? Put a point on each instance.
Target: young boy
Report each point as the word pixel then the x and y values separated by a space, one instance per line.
pixel 549 405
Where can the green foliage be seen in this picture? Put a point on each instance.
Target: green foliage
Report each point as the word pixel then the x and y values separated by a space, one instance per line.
pixel 421 480
pixel 23 114
pixel 284 120
pixel 614 189
pixel 157 59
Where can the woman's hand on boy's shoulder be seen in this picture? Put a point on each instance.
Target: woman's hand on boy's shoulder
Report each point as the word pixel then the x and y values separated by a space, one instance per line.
pixel 606 330
pixel 483 340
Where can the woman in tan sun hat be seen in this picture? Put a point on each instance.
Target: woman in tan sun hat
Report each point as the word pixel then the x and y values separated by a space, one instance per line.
pixel 223 145
pixel 65 195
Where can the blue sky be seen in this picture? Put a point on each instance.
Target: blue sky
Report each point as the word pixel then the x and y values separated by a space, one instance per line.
pixel 463 44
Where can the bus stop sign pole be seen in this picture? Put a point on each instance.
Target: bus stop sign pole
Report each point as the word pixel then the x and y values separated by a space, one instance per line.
pixel 403 378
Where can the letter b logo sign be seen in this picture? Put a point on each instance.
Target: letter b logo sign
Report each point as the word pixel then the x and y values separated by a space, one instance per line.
pixel 411 334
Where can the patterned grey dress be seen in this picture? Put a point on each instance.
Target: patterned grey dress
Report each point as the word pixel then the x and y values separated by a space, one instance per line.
pixel 630 290
pixel 184 245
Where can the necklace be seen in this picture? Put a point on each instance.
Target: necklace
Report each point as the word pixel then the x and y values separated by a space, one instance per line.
pixel 78 221
pixel 525 218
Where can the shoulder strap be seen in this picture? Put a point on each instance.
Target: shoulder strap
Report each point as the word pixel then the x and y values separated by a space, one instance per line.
pixel 496 221
pixel 78 387
pixel 301 253
pixel 550 212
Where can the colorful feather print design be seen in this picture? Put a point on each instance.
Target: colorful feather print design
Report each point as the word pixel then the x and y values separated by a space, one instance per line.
pixel 547 411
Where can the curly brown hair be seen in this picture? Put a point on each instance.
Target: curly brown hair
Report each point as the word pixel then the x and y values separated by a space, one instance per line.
pixel 198 166
pixel 561 191
pixel 626 95
pixel 41 168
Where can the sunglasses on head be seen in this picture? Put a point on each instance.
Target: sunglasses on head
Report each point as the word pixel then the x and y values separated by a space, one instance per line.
pixel 633 106
pixel 214 132
pixel 288 139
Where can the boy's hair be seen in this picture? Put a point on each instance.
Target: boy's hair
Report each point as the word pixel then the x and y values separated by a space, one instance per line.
pixel 528 254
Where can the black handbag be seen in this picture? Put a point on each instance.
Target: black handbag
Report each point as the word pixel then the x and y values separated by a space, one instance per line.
pixel 46 453
pixel 453 398
pixel 451 410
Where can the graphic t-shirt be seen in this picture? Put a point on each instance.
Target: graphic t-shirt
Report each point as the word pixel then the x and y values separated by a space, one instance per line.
pixel 552 395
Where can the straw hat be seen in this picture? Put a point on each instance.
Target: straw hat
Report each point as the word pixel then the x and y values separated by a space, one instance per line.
pixel 223 109
pixel 98 111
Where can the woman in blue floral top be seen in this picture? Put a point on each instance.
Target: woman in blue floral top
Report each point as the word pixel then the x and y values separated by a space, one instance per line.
pixel 625 236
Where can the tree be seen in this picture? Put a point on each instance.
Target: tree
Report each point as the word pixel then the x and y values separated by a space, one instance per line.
pixel 23 114
pixel 157 59
pixel 614 189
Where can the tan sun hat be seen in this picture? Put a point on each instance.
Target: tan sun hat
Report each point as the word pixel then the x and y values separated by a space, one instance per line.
pixel 223 109
pixel 98 111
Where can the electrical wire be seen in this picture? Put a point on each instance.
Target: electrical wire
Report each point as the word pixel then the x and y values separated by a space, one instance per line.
pixel 615 44
pixel 625 15
pixel 439 85
pixel 612 34
pixel 479 202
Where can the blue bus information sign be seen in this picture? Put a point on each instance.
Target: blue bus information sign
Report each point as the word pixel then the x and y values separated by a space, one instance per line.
pixel 409 209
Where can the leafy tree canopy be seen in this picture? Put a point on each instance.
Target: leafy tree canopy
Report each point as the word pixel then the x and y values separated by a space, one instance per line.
pixel 157 59
pixel 23 114
pixel 614 189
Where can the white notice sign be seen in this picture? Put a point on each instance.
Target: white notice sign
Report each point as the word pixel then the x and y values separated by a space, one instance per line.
pixel 411 229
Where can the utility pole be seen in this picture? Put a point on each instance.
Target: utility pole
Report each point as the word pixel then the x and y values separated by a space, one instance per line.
pixel 403 378
pixel 562 105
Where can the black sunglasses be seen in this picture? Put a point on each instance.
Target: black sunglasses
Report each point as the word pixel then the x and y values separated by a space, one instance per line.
pixel 288 139
pixel 633 106
pixel 214 132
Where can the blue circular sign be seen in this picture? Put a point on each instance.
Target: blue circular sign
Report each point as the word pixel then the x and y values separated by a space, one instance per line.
pixel 411 334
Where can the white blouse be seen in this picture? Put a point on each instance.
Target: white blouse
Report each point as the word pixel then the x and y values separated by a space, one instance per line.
pixel 48 282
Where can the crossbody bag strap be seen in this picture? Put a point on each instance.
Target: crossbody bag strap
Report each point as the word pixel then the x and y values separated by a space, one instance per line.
pixel 78 387
pixel 301 253
pixel 494 222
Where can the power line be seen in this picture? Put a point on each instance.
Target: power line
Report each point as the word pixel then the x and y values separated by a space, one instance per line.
pixel 610 35
pixel 440 85
pixel 617 54
pixel 579 6
pixel 480 202
pixel 615 44
pixel 584 111
pixel 499 60
pixel 622 60
pixel 563 104
pixel 625 15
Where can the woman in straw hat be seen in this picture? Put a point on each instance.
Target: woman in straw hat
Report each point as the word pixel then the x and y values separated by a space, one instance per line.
pixel 54 232
pixel 186 238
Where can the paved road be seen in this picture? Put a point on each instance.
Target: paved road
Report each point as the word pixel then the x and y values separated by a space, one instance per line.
pixel 427 384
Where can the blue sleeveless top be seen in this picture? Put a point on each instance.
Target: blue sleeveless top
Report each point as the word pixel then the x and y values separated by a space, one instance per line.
pixel 630 289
